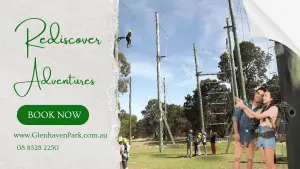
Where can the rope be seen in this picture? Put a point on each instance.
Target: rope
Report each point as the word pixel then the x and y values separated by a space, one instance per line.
pixel 127 6
pixel 167 46
pixel 251 40
pixel 212 50
pixel 132 20
pixel 163 30
pixel 241 15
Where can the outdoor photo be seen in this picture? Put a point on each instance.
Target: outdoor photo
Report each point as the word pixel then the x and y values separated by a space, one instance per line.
pixel 196 90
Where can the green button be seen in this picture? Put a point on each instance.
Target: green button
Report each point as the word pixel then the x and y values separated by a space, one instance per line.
pixel 53 115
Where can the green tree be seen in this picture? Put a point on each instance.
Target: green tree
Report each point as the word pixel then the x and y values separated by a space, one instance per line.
pixel 151 117
pixel 273 86
pixel 209 88
pixel 176 118
pixel 124 119
pixel 124 68
pixel 141 130
pixel 254 62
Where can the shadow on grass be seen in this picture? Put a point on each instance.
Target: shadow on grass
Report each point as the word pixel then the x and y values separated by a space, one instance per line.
pixel 176 156
pixel 224 153
pixel 169 143
pixel 279 160
pixel 245 162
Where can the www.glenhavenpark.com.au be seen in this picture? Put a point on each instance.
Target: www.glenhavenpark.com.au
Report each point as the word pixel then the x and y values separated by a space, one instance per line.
pixel 38 135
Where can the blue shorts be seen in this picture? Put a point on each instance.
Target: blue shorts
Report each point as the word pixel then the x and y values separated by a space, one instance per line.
pixel 266 142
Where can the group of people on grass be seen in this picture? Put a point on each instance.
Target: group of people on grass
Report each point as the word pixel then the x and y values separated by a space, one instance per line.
pixel 196 140
pixel 124 151
pixel 257 116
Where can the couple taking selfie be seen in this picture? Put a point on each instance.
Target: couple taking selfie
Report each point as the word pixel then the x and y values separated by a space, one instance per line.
pixel 258 114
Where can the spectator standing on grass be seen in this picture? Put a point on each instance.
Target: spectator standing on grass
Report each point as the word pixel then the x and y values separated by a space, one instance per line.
pixel 189 141
pixel 203 139
pixel 126 148
pixel 197 145
pixel 213 143
pixel 123 153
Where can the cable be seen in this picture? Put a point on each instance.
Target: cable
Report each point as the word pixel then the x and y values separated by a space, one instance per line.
pixel 167 46
pixel 127 6
pixel 163 30
pixel 248 25
pixel 211 50
pixel 241 15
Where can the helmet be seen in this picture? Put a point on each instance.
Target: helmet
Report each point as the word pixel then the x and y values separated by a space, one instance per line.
pixel 129 30
pixel 120 139
pixel 125 140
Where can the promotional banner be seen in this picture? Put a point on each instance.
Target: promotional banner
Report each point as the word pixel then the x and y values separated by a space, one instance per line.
pixel 58 79
pixel 276 20
pixel 289 72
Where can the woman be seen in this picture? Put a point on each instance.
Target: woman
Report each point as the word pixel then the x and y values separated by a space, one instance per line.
pixel 267 116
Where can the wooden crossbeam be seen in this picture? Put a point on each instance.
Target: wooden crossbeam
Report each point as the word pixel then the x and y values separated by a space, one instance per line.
pixel 217 103
pixel 217 93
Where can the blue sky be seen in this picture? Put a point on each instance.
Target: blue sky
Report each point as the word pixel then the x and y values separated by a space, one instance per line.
pixel 183 22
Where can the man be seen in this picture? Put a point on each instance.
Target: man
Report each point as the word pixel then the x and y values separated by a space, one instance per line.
pixel 244 130
pixel 189 140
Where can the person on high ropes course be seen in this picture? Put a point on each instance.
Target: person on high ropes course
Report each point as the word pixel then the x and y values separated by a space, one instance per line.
pixel 128 39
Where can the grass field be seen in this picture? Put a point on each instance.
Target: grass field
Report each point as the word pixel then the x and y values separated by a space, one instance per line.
pixel 145 155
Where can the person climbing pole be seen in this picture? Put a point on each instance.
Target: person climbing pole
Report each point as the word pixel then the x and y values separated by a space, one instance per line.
pixel 128 39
